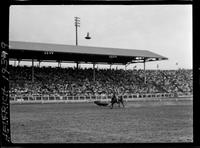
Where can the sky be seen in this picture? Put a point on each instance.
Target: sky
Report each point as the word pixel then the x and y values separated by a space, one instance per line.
pixel 163 29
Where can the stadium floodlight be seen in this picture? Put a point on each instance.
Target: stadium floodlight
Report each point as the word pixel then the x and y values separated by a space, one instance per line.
pixel 88 36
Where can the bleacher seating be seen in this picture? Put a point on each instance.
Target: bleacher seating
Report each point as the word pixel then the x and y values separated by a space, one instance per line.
pixel 70 81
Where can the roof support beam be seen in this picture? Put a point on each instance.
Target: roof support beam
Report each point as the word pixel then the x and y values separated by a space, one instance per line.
pixel 94 72
pixel 15 63
pixel 77 65
pixel 110 66
pixel 39 63
pixel 18 61
pixel 144 71
pixel 32 70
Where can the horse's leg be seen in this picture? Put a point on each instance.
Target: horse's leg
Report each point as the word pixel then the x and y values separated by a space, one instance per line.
pixel 122 104
pixel 111 105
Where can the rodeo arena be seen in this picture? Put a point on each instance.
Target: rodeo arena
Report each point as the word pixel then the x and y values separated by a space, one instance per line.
pixel 93 105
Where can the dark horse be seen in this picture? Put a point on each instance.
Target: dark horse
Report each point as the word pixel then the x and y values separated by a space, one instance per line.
pixel 117 100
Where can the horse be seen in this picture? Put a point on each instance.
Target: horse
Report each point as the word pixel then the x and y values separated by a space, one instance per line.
pixel 118 100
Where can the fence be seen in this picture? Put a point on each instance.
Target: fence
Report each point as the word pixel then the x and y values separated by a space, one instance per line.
pixel 55 98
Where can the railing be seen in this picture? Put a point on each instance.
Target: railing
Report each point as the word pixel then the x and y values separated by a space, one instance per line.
pixel 55 98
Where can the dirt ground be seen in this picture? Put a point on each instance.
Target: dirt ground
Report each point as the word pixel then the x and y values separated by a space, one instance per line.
pixel 138 122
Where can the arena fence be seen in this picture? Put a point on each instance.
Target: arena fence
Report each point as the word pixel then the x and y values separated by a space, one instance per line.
pixel 56 98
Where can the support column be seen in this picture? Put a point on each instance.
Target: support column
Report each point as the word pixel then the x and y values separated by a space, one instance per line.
pixel 59 64
pixel 94 72
pixel 39 63
pixel 32 70
pixel 14 63
pixel 157 69
pixel 77 65
pixel 18 62
pixel 127 64
pixel 144 72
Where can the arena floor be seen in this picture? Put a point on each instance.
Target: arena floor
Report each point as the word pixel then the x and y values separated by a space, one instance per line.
pixel 139 122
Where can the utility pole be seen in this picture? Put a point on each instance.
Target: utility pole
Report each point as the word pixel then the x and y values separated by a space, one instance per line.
pixel 77 24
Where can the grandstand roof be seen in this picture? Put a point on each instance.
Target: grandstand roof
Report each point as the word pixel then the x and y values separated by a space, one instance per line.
pixel 71 53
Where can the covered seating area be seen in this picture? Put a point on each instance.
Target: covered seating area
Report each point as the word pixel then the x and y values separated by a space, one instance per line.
pixel 46 52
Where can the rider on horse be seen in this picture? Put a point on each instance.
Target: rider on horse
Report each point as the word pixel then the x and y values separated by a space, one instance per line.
pixel 116 99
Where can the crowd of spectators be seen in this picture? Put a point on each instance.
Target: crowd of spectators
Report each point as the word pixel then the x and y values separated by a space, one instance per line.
pixel 73 82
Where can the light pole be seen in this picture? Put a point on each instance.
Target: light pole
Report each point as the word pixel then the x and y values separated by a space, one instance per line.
pixel 77 24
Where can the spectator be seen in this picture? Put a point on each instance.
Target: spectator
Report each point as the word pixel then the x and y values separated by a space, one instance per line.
pixel 69 81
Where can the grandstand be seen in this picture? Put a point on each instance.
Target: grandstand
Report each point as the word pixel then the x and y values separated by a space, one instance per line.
pixel 91 82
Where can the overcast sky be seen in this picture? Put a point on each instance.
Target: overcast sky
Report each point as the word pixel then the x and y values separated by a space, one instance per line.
pixel 163 29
